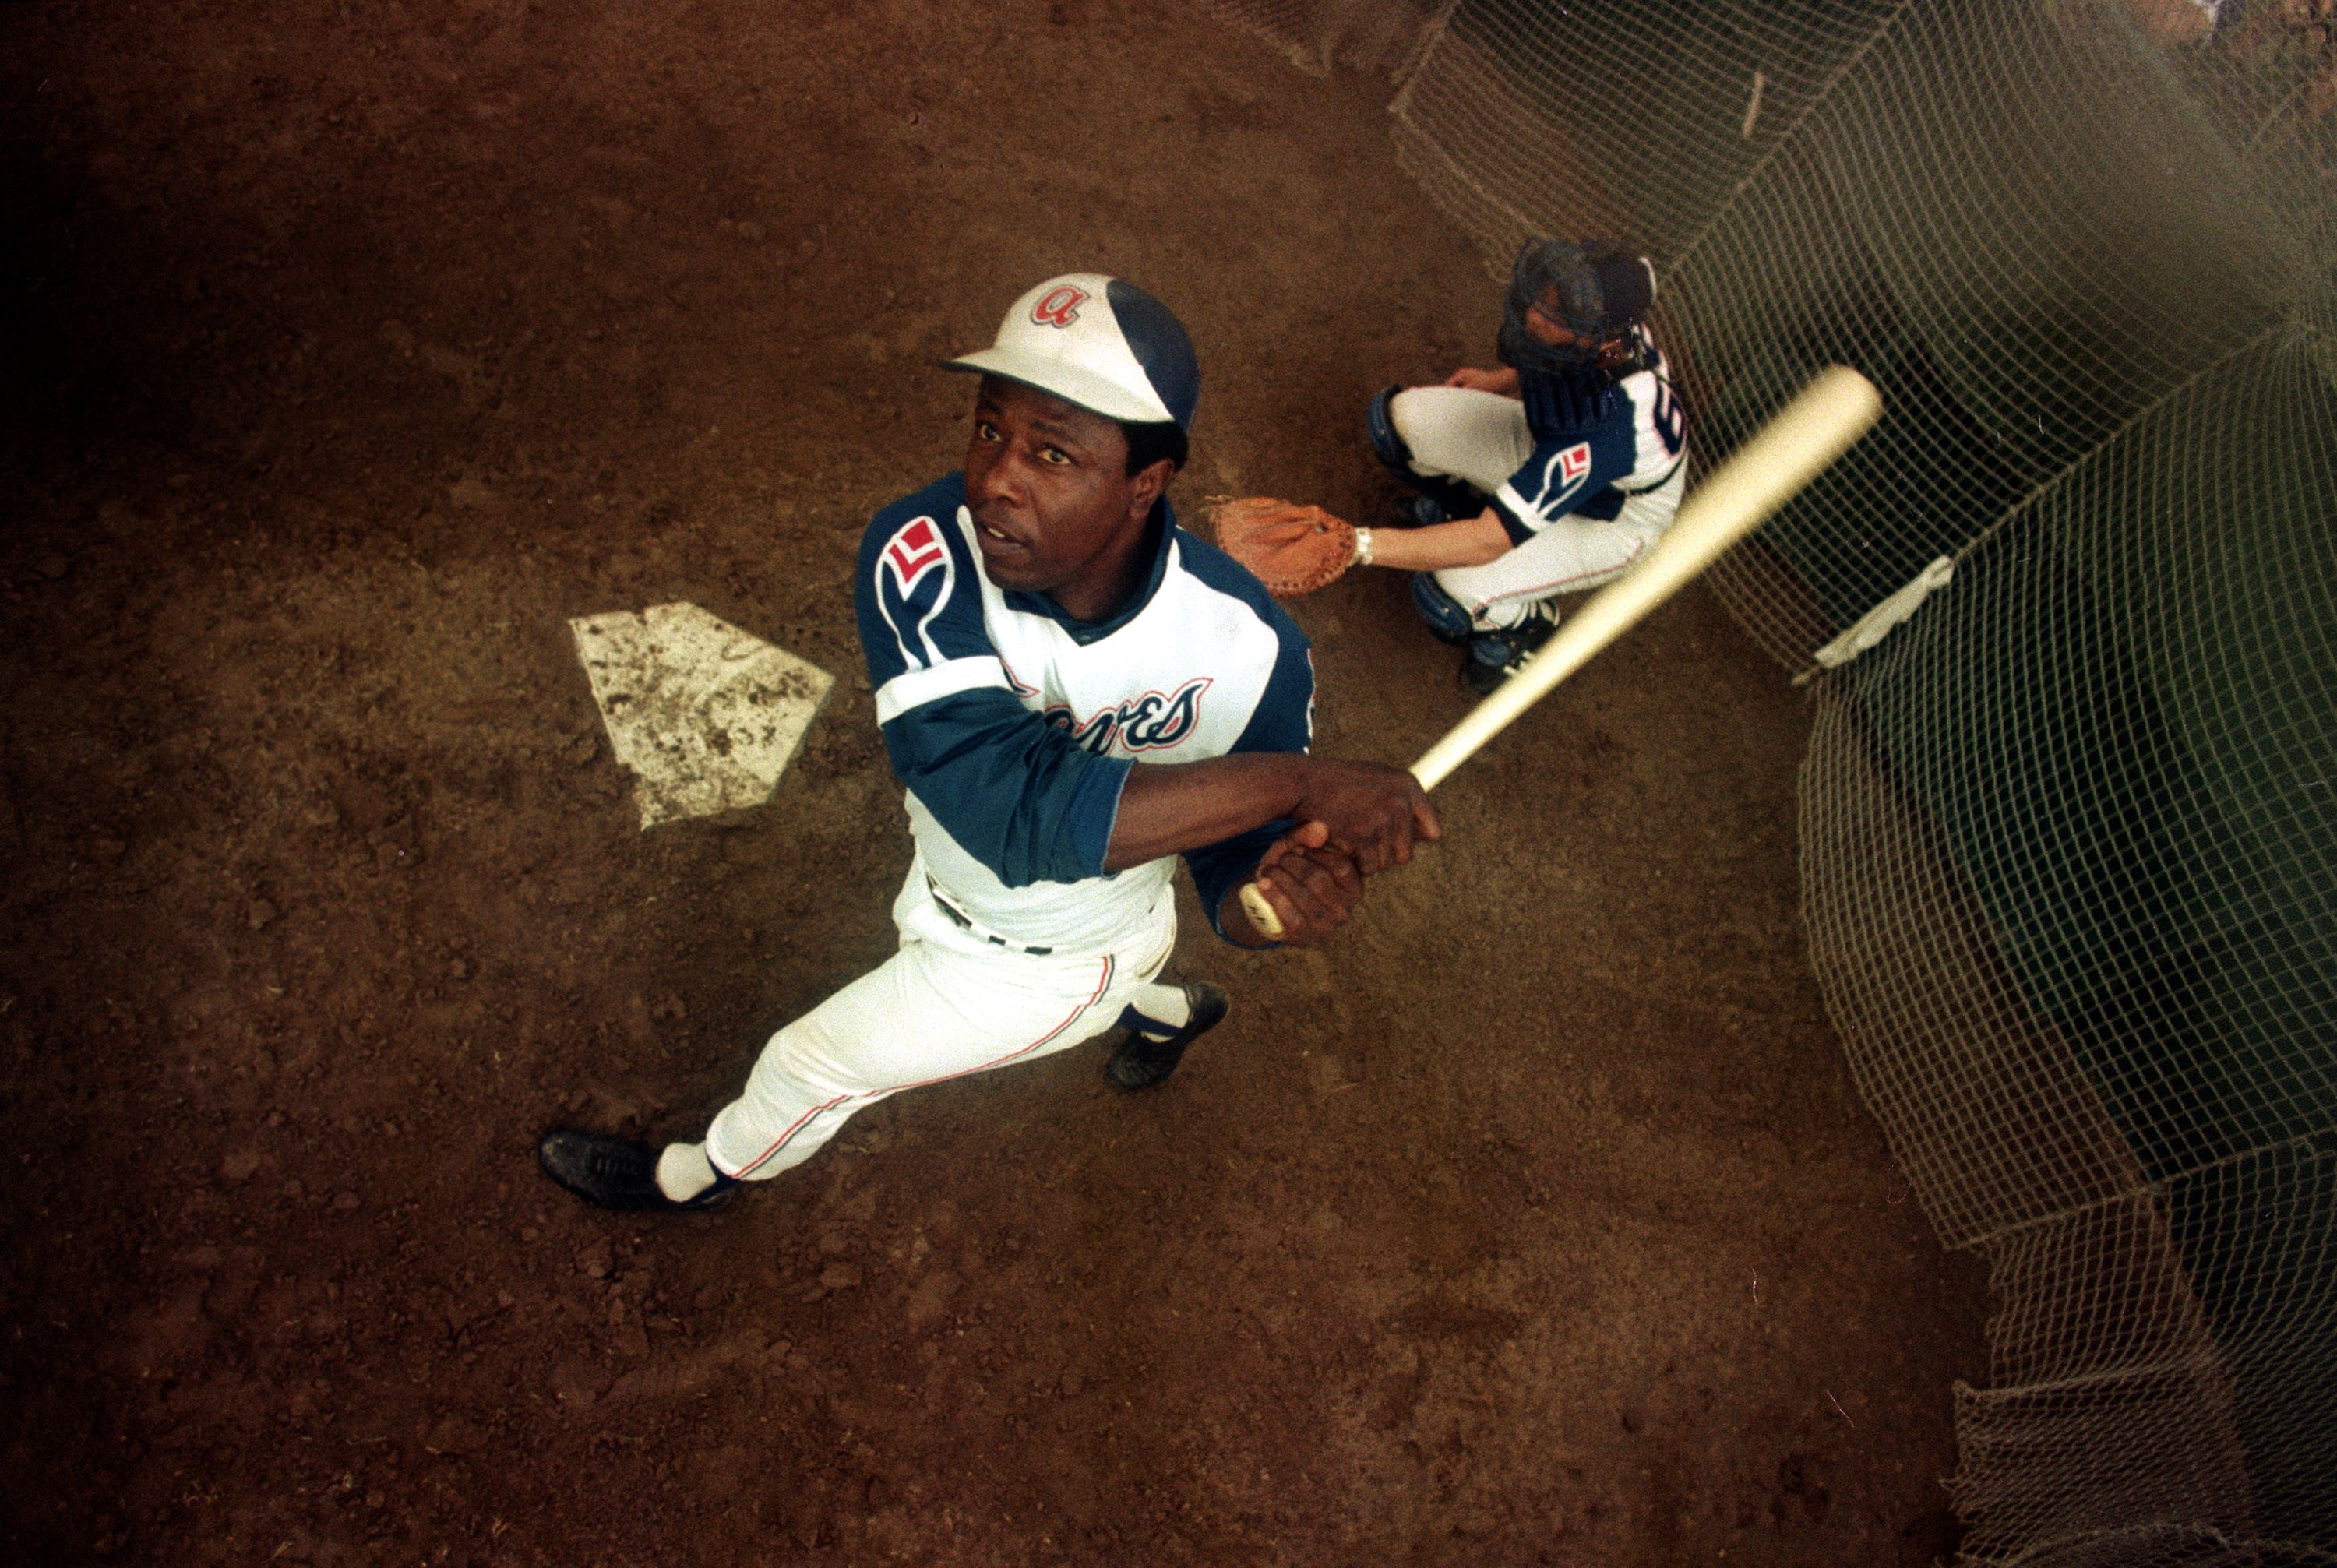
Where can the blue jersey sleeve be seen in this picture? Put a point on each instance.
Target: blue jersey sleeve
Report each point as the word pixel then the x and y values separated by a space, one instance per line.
pixel 1566 471
pixel 1020 795
pixel 1282 720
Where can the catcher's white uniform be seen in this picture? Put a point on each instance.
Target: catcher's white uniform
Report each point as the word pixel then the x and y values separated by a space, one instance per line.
pixel 1580 509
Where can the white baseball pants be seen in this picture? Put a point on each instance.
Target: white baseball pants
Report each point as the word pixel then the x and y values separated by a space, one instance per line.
pixel 949 1003
pixel 1481 439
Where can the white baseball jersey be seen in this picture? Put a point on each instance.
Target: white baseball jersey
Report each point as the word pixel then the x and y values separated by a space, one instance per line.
pixel 1013 726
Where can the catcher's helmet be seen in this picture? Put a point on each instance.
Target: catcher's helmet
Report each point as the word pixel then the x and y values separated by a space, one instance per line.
pixel 1099 342
pixel 1595 289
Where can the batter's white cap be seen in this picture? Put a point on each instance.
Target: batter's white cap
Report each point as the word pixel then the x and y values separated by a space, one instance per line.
pixel 1101 343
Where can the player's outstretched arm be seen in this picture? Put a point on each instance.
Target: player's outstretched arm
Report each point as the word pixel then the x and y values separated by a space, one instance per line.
pixel 1372 812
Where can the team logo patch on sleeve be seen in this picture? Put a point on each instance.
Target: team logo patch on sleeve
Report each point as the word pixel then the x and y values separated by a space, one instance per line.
pixel 914 550
pixel 914 577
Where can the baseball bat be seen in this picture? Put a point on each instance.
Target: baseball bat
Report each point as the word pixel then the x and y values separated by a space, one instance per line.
pixel 1809 433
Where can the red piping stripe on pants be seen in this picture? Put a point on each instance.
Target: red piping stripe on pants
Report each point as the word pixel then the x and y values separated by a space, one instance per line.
pixel 1103 983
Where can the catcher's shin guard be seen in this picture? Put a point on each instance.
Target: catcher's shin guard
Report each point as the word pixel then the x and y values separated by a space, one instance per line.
pixel 1446 616
pixel 1379 424
pixel 1452 497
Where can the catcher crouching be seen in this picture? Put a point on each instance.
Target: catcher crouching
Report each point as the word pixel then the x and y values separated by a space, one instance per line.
pixel 1550 474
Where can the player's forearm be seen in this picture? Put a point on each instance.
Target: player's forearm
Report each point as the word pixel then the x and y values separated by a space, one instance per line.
pixel 1471 542
pixel 1367 812
pixel 1169 808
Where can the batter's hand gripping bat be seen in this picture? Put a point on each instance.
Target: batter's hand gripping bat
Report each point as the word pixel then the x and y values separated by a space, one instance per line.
pixel 1809 433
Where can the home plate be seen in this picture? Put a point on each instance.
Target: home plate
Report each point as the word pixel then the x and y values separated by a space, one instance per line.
pixel 706 716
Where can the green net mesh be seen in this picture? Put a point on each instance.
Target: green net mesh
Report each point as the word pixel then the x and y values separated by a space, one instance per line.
pixel 2070 828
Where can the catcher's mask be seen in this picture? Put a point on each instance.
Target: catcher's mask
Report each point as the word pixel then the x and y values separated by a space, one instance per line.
pixel 1595 289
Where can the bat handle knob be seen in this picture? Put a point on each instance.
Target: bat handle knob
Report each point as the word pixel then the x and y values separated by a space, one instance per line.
pixel 1261 914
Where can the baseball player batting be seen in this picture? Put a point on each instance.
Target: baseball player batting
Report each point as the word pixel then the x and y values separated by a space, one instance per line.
pixel 1074 692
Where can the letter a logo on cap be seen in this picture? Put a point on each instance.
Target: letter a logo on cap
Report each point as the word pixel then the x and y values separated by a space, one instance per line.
pixel 1059 306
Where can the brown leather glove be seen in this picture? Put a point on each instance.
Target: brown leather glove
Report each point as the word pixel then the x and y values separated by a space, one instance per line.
pixel 1291 549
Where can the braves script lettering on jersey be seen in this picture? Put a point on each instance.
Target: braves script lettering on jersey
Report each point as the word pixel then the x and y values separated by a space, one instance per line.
pixel 1013 728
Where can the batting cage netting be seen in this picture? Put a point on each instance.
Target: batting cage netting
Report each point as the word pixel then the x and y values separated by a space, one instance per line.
pixel 2069 620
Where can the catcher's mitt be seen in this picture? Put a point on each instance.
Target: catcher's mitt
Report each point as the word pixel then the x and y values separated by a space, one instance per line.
pixel 1291 549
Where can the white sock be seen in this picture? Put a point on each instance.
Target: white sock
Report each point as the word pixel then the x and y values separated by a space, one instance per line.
pixel 683 1172
pixel 1159 1010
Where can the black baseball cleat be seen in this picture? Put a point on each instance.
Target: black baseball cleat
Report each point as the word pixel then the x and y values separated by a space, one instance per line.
pixel 617 1173
pixel 1142 1062
pixel 1494 656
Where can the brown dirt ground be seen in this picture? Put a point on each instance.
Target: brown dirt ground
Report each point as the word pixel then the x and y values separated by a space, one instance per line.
pixel 351 351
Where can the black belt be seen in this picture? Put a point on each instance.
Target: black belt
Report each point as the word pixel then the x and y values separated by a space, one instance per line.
pixel 965 922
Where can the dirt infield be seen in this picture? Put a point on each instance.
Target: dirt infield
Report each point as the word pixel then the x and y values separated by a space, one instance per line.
pixel 351 352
